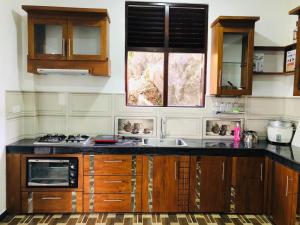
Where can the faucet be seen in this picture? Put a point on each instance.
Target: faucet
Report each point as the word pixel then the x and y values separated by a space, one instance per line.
pixel 162 128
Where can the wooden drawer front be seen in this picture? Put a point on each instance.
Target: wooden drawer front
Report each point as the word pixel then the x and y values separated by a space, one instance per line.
pixel 109 184
pixel 109 203
pixel 111 165
pixel 51 202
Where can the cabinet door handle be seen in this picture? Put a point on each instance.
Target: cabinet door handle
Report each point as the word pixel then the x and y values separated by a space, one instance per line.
pixel 51 198
pixel 261 172
pixel 287 185
pixel 113 200
pixel 220 78
pixel 64 47
pixel 223 170
pixel 175 174
pixel 113 161
pixel 69 46
pixel 112 181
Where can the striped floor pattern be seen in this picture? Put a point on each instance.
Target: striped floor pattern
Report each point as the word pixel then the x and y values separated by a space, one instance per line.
pixel 135 219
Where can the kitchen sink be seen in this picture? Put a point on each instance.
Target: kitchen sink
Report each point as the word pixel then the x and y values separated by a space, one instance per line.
pixel 166 142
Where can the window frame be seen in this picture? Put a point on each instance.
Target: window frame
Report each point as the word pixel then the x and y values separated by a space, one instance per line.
pixel 166 49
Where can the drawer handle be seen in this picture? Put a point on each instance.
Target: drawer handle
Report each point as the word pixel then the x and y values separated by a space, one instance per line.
pixel 112 181
pixel 113 200
pixel 51 198
pixel 113 161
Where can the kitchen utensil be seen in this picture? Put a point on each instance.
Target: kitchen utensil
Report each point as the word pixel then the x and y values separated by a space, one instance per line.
pixel 280 131
pixel 250 136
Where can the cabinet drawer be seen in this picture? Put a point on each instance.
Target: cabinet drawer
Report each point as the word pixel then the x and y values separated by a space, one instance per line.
pixel 109 184
pixel 51 202
pixel 109 203
pixel 111 165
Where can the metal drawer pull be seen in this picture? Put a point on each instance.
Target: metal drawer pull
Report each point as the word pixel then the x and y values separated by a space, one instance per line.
pixel 112 181
pixel 113 200
pixel 287 185
pixel 51 198
pixel 261 172
pixel 223 171
pixel 64 47
pixel 113 161
pixel 175 175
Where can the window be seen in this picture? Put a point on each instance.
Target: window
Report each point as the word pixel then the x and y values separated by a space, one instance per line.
pixel 165 51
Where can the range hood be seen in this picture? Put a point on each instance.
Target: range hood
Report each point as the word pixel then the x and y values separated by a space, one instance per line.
pixel 44 71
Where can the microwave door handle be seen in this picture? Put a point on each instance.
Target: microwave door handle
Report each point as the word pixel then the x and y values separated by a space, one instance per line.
pixel 49 160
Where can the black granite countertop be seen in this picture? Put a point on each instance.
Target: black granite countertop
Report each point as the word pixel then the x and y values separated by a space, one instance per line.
pixel 287 155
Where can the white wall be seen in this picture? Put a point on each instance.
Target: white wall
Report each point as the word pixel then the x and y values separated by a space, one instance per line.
pixel 11 72
pixel 274 28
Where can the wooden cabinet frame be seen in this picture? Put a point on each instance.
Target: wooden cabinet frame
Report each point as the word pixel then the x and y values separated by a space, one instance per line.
pixel 68 17
pixel 231 24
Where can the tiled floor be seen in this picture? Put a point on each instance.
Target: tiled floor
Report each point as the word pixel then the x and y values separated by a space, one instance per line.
pixel 136 219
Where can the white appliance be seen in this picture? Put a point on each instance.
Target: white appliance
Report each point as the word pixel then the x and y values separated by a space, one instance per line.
pixel 280 131
pixel 296 139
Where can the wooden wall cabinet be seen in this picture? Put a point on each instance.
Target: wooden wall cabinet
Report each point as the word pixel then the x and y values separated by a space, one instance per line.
pixel 68 38
pixel 296 11
pixel 232 55
pixel 209 186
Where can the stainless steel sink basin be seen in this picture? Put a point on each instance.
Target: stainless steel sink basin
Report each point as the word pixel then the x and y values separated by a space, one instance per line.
pixel 166 142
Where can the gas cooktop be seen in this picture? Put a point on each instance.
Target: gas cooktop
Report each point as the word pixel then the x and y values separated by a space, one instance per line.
pixel 61 139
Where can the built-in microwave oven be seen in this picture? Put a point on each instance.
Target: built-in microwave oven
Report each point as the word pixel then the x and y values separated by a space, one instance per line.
pixel 52 172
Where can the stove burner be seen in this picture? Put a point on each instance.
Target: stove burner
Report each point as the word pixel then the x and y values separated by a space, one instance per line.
pixel 56 138
pixel 61 139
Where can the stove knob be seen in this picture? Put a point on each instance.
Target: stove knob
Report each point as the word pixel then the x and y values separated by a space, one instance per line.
pixel 72 167
pixel 72 181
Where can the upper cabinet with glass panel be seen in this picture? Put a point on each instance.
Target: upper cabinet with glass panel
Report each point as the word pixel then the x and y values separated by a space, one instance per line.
pixel 68 38
pixel 232 54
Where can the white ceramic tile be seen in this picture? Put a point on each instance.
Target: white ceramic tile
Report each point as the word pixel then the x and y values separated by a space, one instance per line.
pixel 121 109
pixel 14 129
pixel 14 104
pixel 292 107
pixel 29 103
pixel 51 124
pixel 265 106
pixel 90 104
pixel 184 127
pixel 260 126
pixel 30 127
pixel 51 103
pixel 91 125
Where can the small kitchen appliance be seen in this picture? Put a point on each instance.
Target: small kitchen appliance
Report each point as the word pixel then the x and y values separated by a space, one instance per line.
pixel 250 136
pixel 296 138
pixel 61 139
pixel 52 172
pixel 280 132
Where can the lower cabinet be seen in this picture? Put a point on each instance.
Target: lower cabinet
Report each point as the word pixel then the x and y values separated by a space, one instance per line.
pixel 112 183
pixel 51 202
pixel 166 183
pixel 284 195
pixel 209 188
pixel 247 185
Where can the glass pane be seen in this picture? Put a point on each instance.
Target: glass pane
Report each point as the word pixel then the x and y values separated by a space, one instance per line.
pixel 145 78
pixel 86 40
pixel 186 79
pixel 48 39
pixel 234 67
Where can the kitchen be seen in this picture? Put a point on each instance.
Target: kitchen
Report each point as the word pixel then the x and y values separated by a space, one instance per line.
pixel 196 142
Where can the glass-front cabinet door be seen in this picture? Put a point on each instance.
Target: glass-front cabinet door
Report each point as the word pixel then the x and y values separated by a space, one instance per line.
pixel 236 63
pixel 49 39
pixel 87 40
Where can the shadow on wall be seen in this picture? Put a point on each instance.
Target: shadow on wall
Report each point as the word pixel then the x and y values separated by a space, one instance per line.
pixel 18 26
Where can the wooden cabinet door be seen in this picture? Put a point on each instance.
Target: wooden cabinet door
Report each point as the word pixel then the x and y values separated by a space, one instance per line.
pixel 284 198
pixel 208 184
pixel 247 194
pixel 47 38
pixel 87 39
pixel 166 184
